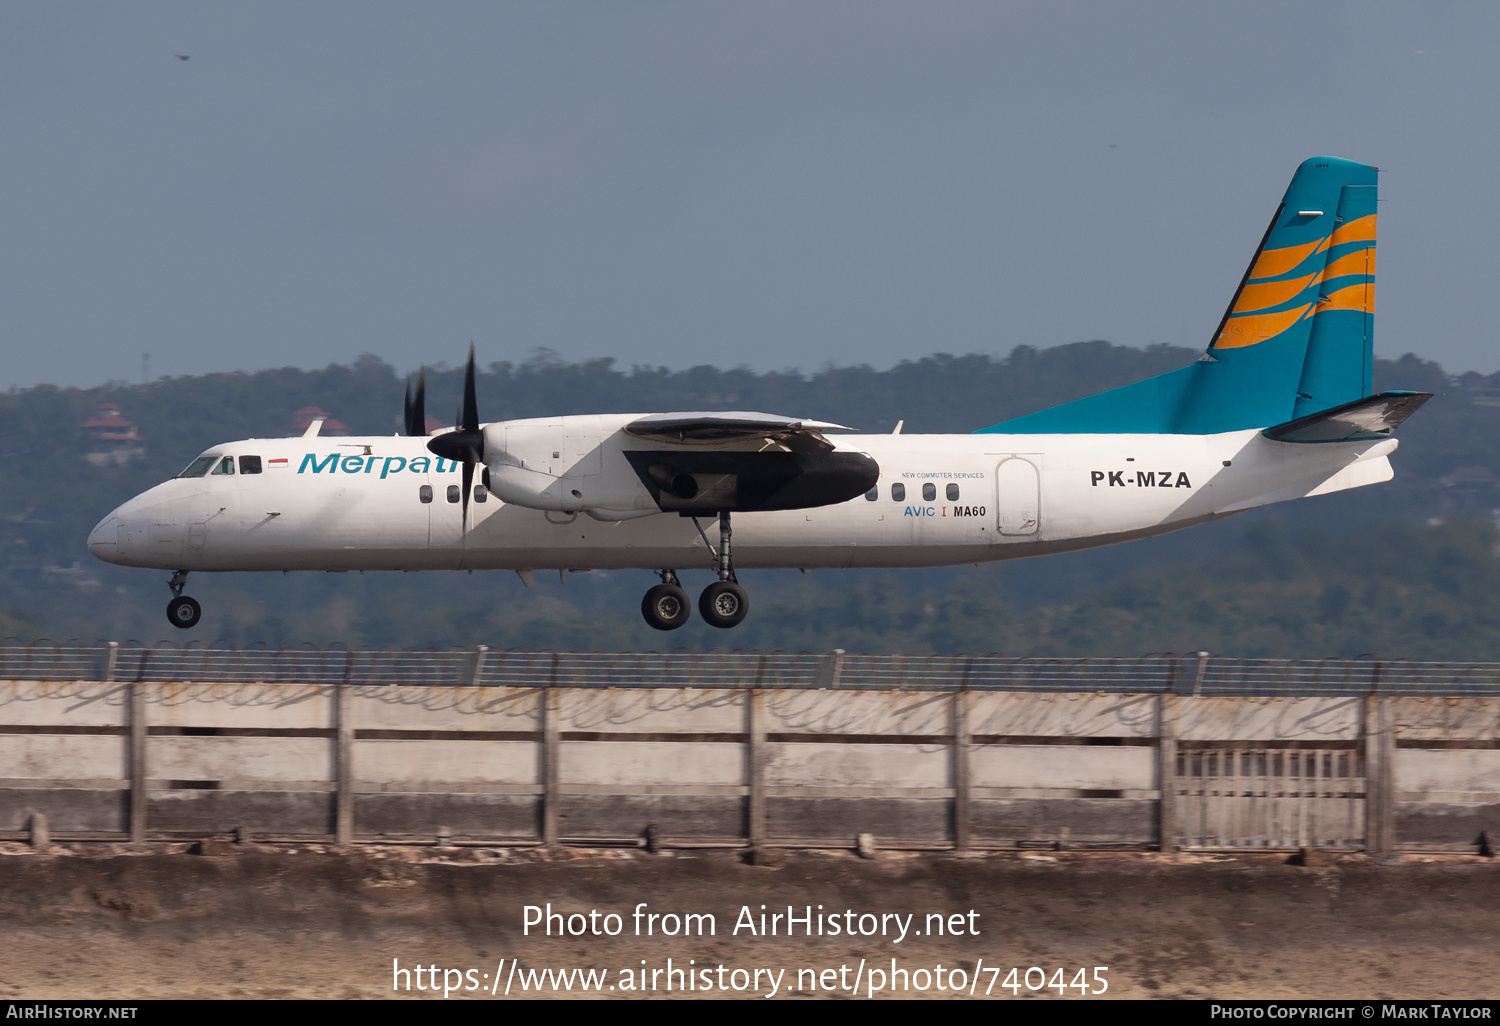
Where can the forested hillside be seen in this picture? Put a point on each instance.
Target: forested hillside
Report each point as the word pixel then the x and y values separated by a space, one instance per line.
pixel 1405 568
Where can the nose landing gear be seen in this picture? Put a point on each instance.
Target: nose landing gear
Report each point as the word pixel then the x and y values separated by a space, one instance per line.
pixel 182 611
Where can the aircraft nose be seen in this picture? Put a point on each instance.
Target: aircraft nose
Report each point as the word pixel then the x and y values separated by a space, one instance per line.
pixel 102 539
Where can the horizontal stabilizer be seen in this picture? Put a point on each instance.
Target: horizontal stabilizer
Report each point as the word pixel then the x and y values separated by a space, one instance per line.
pixel 1374 416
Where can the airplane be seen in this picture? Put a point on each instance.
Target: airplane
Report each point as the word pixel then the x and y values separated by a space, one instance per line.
pixel 1280 406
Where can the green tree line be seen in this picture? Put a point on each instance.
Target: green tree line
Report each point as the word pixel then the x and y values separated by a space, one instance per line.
pixel 1400 569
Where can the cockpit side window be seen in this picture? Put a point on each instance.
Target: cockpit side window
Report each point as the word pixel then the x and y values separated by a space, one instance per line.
pixel 200 466
pixel 249 464
pixel 225 467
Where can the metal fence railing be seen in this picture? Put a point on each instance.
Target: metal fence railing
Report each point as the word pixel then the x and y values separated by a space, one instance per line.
pixel 1185 673
pixel 1256 797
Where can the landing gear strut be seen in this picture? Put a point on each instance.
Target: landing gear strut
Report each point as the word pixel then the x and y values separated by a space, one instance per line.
pixel 182 610
pixel 666 606
pixel 724 603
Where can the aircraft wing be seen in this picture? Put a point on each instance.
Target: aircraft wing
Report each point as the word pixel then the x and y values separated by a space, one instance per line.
pixel 713 430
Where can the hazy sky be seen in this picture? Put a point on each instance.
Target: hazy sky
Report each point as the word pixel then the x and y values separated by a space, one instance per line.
pixel 771 184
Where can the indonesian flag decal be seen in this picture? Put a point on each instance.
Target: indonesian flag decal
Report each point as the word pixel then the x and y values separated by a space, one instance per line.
pixel 278 463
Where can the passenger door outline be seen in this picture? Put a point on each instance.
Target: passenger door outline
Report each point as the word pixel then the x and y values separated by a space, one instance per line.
pixel 1017 497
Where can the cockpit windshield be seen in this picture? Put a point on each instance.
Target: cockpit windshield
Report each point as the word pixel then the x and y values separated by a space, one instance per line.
pixel 199 467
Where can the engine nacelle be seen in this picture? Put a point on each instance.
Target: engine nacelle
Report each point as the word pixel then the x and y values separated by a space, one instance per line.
pixel 705 481
pixel 602 496
pixel 590 465
pixel 532 489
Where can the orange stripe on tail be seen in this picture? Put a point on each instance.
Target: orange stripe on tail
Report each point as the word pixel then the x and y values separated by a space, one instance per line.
pixel 1246 331
pixel 1361 229
pixel 1361 261
pixel 1354 297
pixel 1268 294
pixel 1279 261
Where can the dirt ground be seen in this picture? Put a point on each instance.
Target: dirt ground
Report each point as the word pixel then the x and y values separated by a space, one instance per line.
pixel 300 921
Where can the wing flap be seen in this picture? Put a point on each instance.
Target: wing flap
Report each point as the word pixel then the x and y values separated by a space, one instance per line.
pixel 717 429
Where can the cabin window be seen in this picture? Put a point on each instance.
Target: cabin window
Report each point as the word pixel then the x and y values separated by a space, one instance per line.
pixel 454 493
pixel 873 494
pixel 425 493
pixel 480 493
pixel 249 464
pixel 929 491
pixel 952 492
pixel 226 466
pixel 199 466
pixel 898 492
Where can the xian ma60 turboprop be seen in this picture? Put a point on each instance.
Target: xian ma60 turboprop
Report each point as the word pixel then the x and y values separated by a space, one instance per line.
pixel 1279 407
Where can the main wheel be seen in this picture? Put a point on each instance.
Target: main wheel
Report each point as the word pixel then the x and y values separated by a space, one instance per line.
pixel 184 612
pixel 723 604
pixel 666 607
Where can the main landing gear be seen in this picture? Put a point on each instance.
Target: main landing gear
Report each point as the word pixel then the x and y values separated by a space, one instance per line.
pixel 666 606
pixel 722 604
pixel 182 610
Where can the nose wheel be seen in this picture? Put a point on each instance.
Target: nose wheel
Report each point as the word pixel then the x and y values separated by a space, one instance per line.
pixel 182 611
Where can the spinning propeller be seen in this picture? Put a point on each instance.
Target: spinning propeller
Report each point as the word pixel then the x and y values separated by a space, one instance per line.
pixel 416 406
pixel 464 444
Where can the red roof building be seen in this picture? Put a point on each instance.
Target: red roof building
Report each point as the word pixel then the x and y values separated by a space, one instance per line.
pixel 113 439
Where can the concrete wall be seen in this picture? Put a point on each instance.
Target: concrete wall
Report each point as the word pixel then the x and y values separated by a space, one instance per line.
pixel 803 766
pixel 1447 769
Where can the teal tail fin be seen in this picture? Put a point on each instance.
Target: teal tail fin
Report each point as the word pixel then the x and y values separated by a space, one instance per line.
pixel 1296 339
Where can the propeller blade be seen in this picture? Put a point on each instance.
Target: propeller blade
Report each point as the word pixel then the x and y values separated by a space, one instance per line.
pixel 416 405
pixel 470 417
pixel 464 444
pixel 468 481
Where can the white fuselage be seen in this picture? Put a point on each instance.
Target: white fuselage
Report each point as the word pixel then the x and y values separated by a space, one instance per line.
pixel 338 503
